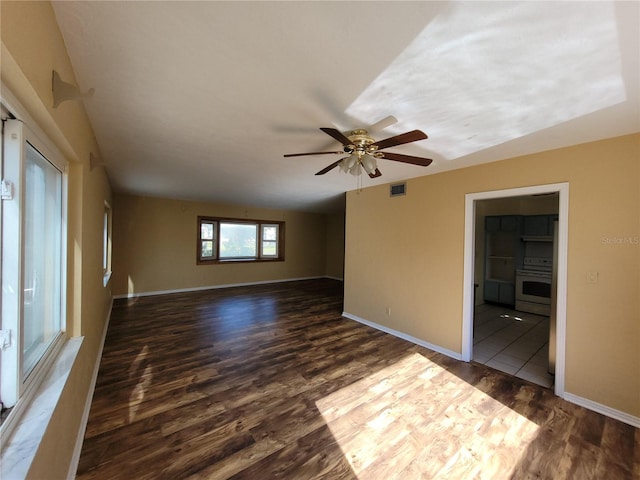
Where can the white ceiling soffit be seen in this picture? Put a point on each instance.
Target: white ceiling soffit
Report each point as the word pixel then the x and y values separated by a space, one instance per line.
pixel 200 100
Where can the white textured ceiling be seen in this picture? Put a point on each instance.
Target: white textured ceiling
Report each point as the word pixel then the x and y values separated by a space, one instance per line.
pixel 200 100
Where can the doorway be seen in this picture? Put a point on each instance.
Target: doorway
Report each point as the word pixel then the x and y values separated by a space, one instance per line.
pixel 473 204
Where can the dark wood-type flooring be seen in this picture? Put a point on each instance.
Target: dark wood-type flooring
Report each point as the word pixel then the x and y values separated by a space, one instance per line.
pixel 270 381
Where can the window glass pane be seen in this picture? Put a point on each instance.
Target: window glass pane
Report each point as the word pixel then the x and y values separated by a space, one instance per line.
pixel 105 240
pixel 206 231
pixel 42 256
pixel 269 249
pixel 270 232
pixel 207 248
pixel 237 240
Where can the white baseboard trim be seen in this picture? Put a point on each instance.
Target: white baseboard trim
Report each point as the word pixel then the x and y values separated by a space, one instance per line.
pixel 603 409
pixel 75 459
pixel 334 278
pixel 212 287
pixel 404 336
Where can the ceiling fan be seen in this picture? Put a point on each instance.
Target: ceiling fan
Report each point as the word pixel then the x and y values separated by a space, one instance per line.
pixel 363 151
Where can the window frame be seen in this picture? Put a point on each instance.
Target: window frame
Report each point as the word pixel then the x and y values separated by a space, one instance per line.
pixel 107 240
pixel 213 240
pixel 17 386
pixel 259 257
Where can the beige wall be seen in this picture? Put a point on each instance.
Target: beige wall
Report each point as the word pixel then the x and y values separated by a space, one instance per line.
pixel 32 47
pixel 406 253
pixel 155 246
pixel 335 246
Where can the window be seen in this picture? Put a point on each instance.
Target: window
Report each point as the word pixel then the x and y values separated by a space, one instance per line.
pixel 230 240
pixel 269 240
pixel 207 240
pixel 106 243
pixel 42 246
pixel 33 259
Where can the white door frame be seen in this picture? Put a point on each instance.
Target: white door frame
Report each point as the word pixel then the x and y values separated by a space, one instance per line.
pixel 469 265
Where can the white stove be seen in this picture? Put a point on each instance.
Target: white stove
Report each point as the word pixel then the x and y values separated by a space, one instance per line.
pixel 533 285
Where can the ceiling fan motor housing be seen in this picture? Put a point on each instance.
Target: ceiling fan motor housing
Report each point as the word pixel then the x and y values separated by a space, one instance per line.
pixel 361 143
pixel 361 153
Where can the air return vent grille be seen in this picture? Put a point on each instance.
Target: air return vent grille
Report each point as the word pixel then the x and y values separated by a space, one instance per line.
pixel 398 189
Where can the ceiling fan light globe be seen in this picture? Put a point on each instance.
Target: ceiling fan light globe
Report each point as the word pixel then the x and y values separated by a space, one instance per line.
pixel 348 163
pixel 369 163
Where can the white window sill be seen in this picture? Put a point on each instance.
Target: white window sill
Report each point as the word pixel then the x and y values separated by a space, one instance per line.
pixel 18 453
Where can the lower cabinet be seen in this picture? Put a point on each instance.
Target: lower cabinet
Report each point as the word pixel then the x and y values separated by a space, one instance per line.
pixel 499 292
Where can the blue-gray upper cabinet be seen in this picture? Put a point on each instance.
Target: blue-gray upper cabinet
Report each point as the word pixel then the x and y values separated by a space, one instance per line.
pixel 503 223
pixel 539 225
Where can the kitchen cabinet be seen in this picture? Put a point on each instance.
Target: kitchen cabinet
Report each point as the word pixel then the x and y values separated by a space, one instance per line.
pixel 538 225
pixel 500 292
pixel 503 256
pixel 502 223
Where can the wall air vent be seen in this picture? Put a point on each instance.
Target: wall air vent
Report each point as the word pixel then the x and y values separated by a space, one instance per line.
pixel 398 189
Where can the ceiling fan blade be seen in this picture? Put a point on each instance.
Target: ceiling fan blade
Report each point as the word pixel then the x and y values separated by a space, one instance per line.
pixel 313 153
pixel 398 157
pixel 412 136
pixel 337 135
pixel 383 123
pixel 328 168
pixel 375 174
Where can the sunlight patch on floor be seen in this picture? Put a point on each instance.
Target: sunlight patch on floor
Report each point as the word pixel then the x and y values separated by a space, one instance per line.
pixel 145 375
pixel 506 315
pixel 415 419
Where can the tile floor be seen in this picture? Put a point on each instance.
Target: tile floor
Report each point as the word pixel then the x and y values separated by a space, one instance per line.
pixel 512 342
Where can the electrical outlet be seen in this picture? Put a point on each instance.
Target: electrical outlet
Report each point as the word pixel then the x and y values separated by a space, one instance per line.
pixel 592 276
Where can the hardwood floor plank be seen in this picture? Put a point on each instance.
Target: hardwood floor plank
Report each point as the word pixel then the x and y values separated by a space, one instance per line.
pixel 542 458
pixel 581 458
pixel 301 459
pixel 242 461
pixel 192 455
pixel 617 446
pixel 270 381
